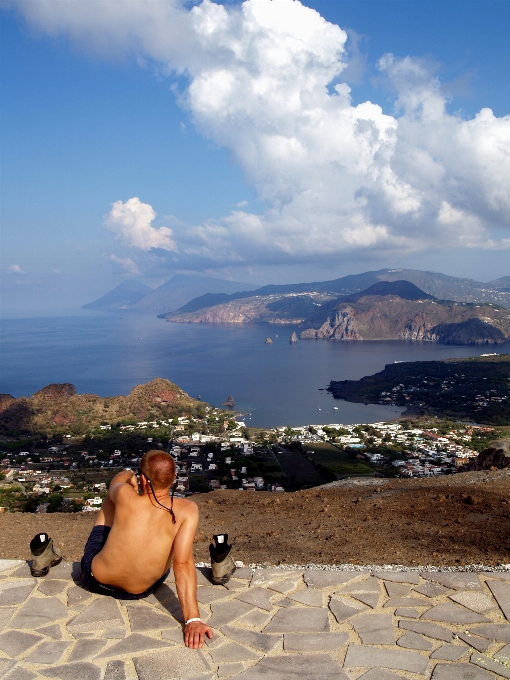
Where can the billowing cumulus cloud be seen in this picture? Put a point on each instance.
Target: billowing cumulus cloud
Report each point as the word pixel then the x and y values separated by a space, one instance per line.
pixel 126 264
pixel 131 223
pixel 265 83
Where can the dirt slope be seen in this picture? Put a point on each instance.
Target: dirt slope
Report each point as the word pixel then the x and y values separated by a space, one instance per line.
pixel 458 520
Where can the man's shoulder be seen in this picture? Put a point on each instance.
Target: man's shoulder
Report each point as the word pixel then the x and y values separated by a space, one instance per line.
pixel 186 507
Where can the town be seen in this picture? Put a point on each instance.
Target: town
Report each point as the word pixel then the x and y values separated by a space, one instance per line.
pixel 217 451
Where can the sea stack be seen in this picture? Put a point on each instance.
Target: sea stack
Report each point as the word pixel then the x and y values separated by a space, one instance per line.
pixel 269 341
pixel 293 337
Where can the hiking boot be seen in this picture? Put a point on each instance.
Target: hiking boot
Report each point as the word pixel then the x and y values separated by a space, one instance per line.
pixel 222 564
pixel 44 555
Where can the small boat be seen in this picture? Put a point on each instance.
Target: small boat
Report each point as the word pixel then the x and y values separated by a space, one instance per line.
pixel 335 408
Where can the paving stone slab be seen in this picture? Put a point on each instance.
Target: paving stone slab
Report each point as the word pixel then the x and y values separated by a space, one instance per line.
pixel 406 602
pixel 48 652
pixel 375 629
pixel 285 587
pixel 493 631
pixel 5 565
pixel 177 635
pixel 115 670
pixel 5 665
pixel 14 643
pixel 430 589
pixel 76 595
pixel 66 570
pixel 232 651
pixel 327 579
pixel 479 643
pixel 314 642
pixel 397 589
pixel 285 602
pixel 22 571
pixel 52 631
pixel 370 585
pixel 360 656
pixel 234 584
pixel 501 591
pixel 448 612
pixel 261 576
pixel 101 613
pixel 408 612
pixel 229 669
pixel 415 641
pixel 399 576
pixel 204 576
pixel 455 580
pixel 317 667
pixel 244 573
pixel 299 620
pixel 261 641
pixel 226 612
pixel 114 634
pixel 503 655
pixel 459 671
pixel 73 671
pixel 132 644
pixel 259 597
pixel 480 603
pixel 178 662
pixel 255 618
pixel 370 599
pixel 142 617
pixel 312 597
pixel 449 652
pixel 20 674
pixel 15 595
pixel 503 575
pixel 431 630
pixel 38 612
pixel 380 674
pixel 208 594
pixel 52 586
pixel 6 614
pixel 343 608
pixel 86 649
pixel 490 665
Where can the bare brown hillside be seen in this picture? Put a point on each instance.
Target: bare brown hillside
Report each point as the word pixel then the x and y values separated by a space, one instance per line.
pixel 457 520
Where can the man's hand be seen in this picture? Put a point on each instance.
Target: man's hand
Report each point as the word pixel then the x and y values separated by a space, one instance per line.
pixel 194 634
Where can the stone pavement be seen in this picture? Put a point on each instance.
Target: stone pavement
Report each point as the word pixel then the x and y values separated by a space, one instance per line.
pixel 271 624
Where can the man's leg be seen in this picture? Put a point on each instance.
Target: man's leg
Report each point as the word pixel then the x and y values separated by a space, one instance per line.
pixel 96 541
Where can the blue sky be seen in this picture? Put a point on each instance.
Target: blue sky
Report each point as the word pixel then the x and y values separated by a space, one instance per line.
pixel 300 182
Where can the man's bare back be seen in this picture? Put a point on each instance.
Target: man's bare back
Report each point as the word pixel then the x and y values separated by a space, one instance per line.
pixel 147 533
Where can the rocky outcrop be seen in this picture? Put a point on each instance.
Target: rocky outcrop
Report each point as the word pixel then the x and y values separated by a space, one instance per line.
pixel 340 327
pixel 470 332
pixel 497 455
pixel 293 337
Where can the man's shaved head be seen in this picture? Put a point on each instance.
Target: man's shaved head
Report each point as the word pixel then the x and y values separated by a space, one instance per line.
pixel 159 467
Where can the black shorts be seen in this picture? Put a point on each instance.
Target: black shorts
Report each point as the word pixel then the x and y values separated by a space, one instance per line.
pixel 94 545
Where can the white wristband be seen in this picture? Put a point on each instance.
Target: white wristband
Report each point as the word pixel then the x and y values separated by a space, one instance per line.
pixel 191 621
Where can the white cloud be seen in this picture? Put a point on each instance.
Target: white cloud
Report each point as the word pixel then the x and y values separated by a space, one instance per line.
pixel 131 223
pixel 265 83
pixel 129 268
pixel 15 269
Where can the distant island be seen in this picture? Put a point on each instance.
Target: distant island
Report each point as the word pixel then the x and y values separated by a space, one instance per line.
pixel 386 310
pixel 476 388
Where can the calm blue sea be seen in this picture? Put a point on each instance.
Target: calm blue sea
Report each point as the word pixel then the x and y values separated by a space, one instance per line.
pixel 109 353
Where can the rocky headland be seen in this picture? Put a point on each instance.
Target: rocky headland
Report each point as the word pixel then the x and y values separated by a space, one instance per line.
pixel 396 310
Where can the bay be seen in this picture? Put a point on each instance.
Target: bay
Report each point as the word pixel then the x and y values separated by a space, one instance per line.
pixel 108 353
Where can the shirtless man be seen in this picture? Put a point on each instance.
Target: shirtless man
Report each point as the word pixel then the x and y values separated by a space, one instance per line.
pixel 137 537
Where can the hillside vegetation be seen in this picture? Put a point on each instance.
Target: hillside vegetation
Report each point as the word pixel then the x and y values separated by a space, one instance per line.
pixel 58 408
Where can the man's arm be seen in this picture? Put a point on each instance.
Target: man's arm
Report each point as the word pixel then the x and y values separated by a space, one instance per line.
pixel 122 480
pixel 186 579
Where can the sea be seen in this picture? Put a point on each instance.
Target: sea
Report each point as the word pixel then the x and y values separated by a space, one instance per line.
pixel 273 384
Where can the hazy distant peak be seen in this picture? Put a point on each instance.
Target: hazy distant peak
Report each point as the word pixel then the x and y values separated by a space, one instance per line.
pixel 403 289
pixel 127 293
